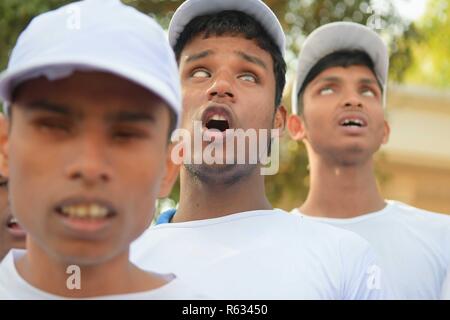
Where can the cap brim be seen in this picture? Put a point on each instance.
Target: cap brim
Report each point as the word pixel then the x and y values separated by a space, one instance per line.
pixel 8 79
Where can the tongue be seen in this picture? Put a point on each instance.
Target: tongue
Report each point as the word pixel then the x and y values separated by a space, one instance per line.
pixel 14 226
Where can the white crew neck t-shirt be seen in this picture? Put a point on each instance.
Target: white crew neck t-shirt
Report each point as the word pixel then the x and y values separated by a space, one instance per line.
pixel 413 246
pixel 263 254
pixel 446 287
pixel 14 287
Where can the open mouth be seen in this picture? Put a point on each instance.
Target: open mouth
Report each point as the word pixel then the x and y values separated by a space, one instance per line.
pixel 353 122
pixel 217 122
pixel 85 216
pixel 14 228
pixel 92 211
pixel 216 118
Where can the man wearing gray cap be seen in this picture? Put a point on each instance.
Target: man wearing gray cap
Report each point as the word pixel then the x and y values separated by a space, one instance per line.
pixel 90 111
pixel 338 105
pixel 225 237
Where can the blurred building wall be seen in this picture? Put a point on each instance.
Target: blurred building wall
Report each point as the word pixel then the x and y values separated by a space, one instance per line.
pixel 417 157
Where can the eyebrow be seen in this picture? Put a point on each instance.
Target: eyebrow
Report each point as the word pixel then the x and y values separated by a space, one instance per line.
pixel 131 116
pixel 121 116
pixel 368 81
pixel 43 105
pixel 198 56
pixel 338 80
pixel 251 59
pixel 330 79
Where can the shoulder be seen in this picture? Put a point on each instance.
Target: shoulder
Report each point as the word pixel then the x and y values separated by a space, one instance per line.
pixel 409 211
pixel 326 239
pixel 432 223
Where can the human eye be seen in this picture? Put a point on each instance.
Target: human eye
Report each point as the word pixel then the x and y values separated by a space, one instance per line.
pixel 200 73
pixel 325 91
pixel 368 92
pixel 248 77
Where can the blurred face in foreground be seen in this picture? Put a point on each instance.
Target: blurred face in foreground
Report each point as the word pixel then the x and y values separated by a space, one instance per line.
pixel 86 158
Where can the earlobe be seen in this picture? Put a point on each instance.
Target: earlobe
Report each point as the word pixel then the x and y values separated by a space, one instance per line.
pixel 296 127
pixel 171 174
pixel 4 168
pixel 386 132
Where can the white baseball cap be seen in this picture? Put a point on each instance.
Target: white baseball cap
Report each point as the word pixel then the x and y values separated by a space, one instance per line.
pixel 103 35
pixel 257 9
pixel 338 36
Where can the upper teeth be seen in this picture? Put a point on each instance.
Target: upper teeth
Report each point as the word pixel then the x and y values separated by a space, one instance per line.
pixel 13 220
pixel 85 211
pixel 352 121
pixel 218 117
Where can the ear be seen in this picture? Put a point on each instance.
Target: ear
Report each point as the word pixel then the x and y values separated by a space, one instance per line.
pixel 296 127
pixel 4 129
pixel 386 132
pixel 279 120
pixel 171 174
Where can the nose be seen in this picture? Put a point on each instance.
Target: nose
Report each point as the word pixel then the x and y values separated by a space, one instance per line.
pixel 89 163
pixel 221 87
pixel 352 99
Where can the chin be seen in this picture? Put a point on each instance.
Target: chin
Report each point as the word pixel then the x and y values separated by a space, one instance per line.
pixel 220 174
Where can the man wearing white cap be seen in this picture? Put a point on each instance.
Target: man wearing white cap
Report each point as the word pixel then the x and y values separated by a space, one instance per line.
pixel 338 102
pixel 86 146
pixel 225 237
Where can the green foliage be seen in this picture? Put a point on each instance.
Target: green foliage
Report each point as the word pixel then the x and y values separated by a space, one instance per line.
pixel 431 65
pixel 14 17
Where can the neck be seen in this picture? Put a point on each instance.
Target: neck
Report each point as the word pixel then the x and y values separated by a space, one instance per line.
pixel 115 276
pixel 342 191
pixel 200 201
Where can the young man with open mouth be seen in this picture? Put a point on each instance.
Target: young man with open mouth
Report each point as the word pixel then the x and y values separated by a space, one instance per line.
pixel 91 105
pixel 338 104
pixel 225 237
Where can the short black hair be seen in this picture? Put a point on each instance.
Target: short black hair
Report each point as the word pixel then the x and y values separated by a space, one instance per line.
pixel 236 23
pixel 341 58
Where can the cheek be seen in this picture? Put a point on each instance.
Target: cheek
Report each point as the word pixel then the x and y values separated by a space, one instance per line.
pixel 191 106
pixel 256 113
pixel 378 121
pixel 31 170
pixel 142 177
pixel 3 201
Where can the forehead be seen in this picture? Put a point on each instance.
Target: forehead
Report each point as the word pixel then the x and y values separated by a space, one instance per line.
pixel 93 92
pixel 350 73
pixel 224 47
pixel 99 87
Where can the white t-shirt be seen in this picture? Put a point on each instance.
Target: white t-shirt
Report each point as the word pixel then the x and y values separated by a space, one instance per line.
pixel 413 246
pixel 446 287
pixel 263 254
pixel 14 287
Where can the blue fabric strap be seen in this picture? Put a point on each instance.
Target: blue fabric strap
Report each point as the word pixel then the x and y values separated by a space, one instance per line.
pixel 166 216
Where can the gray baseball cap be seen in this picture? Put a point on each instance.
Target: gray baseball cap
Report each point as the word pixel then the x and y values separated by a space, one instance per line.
pixel 257 9
pixel 338 36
